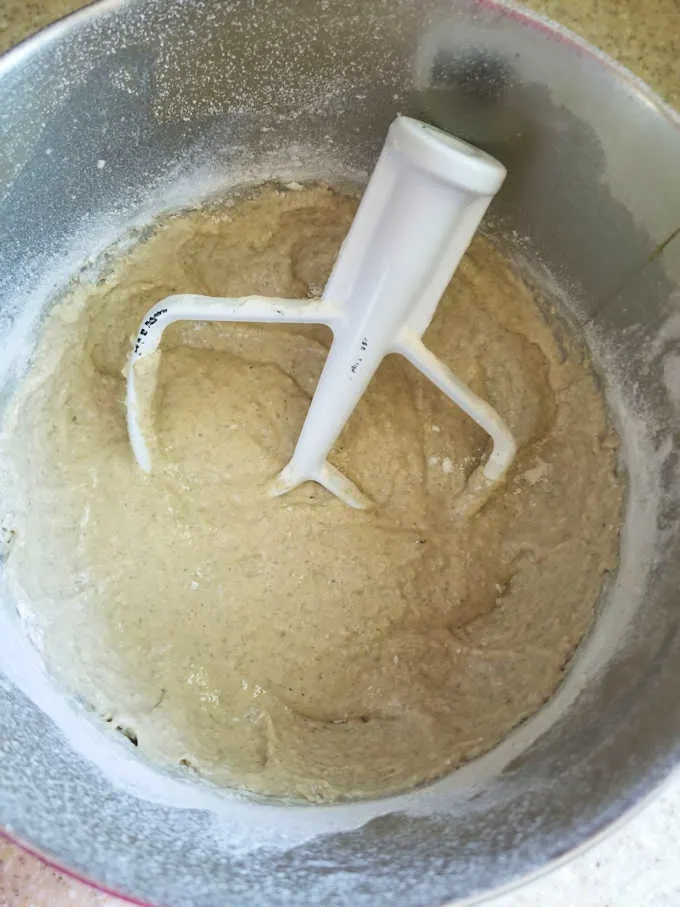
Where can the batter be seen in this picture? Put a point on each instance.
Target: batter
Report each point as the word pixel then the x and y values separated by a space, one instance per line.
pixel 294 646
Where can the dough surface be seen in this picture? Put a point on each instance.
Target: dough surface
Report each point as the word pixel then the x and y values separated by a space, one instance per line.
pixel 294 646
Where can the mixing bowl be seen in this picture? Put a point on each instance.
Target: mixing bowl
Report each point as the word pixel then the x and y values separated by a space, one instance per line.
pixel 130 108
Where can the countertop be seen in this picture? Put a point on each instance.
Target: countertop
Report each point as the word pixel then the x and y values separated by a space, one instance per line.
pixel 636 864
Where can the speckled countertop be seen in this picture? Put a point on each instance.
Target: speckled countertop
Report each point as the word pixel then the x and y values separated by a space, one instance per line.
pixel 637 865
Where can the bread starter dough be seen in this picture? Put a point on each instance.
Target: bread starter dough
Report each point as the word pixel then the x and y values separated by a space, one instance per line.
pixel 294 646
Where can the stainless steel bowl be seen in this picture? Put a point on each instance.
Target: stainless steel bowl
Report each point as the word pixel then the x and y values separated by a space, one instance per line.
pixel 179 99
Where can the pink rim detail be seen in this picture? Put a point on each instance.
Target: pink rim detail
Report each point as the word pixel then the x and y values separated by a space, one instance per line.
pixel 70 873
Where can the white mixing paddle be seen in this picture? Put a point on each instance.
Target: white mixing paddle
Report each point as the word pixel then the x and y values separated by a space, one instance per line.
pixel 420 210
